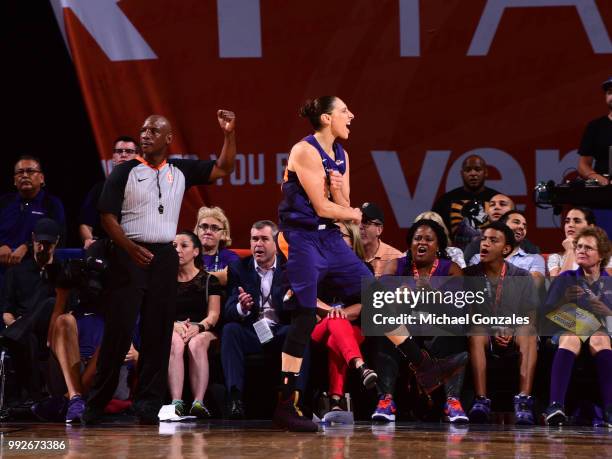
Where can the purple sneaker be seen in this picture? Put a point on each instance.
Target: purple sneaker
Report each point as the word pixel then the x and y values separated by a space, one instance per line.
pixel 76 408
pixel 52 409
pixel 453 411
pixel 481 410
pixel 523 410
pixel 385 410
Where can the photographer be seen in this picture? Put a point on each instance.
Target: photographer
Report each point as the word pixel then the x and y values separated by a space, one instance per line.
pixel 75 332
pixel 27 301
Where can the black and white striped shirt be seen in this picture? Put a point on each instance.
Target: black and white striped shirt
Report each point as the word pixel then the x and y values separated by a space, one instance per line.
pixel 132 193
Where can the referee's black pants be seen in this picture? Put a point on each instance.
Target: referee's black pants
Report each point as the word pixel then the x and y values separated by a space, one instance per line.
pixel 148 292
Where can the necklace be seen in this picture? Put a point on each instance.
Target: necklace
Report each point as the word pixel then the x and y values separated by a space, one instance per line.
pixel 415 271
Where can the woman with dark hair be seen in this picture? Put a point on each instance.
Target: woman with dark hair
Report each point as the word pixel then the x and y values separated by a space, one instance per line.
pixel 586 288
pixel 316 192
pixel 576 219
pixel 423 236
pixel 454 253
pixel 339 329
pixel 425 258
pixel 198 306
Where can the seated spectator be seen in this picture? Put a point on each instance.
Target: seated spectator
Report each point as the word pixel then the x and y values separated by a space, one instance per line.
pixel 426 258
pixel 213 229
pixel 517 298
pixel 454 253
pixel 27 301
pixel 198 306
pixel 586 288
pixel 90 228
pixel 256 294
pixel 534 263
pixel 351 233
pixel 464 209
pixel 338 328
pixel 20 211
pixel 499 205
pixel 75 334
pixel 377 253
pixel 576 219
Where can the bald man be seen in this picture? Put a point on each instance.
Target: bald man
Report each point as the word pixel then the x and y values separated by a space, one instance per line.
pixel 499 205
pixel 139 209
pixel 464 207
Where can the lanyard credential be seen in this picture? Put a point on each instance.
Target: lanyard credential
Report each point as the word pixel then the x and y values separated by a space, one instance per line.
pixel 498 288
pixel 415 271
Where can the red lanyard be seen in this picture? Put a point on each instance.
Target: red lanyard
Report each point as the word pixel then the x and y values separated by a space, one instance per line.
pixel 498 288
pixel 415 271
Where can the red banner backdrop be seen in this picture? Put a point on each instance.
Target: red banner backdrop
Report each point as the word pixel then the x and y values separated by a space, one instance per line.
pixel 429 82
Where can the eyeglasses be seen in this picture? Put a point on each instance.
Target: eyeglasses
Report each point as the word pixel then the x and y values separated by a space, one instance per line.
pixel 28 171
pixel 346 235
pixel 214 228
pixel 585 248
pixel 129 151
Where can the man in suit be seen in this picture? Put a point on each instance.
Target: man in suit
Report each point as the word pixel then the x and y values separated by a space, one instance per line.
pixel 256 293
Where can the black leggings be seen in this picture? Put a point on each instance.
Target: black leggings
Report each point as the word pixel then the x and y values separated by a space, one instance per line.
pixel 303 321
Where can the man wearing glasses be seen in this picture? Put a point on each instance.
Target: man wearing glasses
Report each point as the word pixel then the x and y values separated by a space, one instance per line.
pixel 377 253
pixel 20 211
pixel 90 229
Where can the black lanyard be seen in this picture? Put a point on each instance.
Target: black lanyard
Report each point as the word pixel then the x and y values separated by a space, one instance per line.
pixel 265 299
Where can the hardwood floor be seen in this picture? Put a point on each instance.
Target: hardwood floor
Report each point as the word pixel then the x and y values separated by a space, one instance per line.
pixel 257 439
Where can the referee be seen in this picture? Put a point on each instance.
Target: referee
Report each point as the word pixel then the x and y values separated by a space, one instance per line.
pixel 139 208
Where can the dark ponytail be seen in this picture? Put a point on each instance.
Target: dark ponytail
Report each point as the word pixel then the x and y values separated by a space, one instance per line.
pixel 197 261
pixel 313 109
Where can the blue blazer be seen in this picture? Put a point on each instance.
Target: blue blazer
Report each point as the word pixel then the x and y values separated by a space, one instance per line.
pixel 242 273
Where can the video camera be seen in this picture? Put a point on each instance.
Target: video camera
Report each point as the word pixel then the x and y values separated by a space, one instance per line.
pixel 87 274
pixel 86 277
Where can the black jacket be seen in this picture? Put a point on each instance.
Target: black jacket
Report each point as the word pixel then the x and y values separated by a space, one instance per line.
pixel 242 273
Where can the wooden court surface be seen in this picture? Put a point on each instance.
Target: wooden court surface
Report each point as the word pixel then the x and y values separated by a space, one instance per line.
pixel 257 439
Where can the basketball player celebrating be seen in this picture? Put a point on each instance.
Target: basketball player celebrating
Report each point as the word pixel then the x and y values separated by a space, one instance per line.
pixel 315 193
